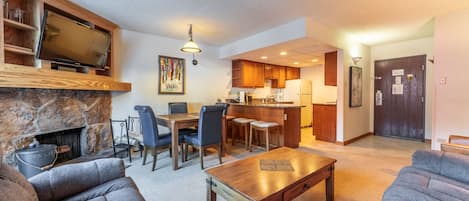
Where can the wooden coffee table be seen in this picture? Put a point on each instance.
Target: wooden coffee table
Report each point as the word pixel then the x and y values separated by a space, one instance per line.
pixel 244 180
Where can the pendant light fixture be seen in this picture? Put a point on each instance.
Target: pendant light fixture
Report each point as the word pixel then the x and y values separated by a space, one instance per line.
pixel 191 47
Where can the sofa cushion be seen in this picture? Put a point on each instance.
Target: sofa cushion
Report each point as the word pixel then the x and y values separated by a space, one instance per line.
pixel 451 165
pixel 65 181
pixel 10 191
pixel 15 186
pixel 402 193
pixel 119 189
pixel 417 181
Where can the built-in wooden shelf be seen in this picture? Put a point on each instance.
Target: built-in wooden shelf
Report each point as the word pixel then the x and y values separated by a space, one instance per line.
pixel 17 76
pixel 19 50
pixel 18 25
pixel 19 68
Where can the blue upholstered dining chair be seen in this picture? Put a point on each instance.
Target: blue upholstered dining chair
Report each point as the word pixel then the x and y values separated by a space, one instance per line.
pixel 209 132
pixel 152 139
pixel 178 108
pixel 225 107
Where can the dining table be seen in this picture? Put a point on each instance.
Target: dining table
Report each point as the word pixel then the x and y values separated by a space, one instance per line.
pixel 179 121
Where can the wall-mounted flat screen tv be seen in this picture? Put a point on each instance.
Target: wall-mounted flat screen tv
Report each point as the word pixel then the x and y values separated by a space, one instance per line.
pixel 64 39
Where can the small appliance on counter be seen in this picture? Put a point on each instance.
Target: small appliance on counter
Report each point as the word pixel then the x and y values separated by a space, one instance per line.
pixel 242 97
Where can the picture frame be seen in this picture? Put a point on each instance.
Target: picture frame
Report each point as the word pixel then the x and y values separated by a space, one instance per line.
pixel 171 75
pixel 355 86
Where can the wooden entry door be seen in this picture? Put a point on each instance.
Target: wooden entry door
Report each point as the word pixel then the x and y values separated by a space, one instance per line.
pixel 400 111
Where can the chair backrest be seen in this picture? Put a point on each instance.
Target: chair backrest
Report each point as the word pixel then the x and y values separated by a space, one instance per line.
pixel 210 125
pixel 225 107
pixel 148 124
pixel 177 107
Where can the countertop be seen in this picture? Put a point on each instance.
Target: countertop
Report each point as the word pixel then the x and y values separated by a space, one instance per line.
pixel 275 105
pixel 325 103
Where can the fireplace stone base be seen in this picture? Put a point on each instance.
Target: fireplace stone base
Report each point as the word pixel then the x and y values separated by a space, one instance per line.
pixel 25 113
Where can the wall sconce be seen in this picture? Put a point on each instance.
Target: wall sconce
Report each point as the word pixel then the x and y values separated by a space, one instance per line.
pixel 356 60
pixel 191 47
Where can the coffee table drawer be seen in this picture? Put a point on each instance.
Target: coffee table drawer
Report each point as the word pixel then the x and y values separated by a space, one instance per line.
pixel 227 193
pixel 302 186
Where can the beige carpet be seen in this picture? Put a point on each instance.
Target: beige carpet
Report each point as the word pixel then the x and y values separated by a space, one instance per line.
pixel 363 171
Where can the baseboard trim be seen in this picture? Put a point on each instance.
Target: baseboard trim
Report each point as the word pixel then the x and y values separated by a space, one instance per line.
pixel 346 142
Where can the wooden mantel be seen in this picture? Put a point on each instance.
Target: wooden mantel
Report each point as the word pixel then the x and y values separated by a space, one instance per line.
pixel 16 76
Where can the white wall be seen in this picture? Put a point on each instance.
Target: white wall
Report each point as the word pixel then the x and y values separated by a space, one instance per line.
pixel 351 122
pixel 423 46
pixel 451 100
pixel 321 92
pixel 138 58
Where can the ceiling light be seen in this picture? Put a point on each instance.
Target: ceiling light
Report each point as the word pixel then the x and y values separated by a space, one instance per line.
pixel 315 60
pixel 283 53
pixel 264 57
pixel 191 46
pixel 296 63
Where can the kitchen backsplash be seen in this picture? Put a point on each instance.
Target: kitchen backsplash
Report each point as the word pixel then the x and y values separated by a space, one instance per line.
pixel 257 92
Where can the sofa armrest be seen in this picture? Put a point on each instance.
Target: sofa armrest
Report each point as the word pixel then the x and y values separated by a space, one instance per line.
pixel 65 181
pixel 427 160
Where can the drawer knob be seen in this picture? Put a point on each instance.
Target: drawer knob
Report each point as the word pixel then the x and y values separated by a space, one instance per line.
pixel 306 187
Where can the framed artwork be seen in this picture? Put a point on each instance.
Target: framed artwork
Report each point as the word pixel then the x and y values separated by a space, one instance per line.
pixel 172 75
pixel 356 86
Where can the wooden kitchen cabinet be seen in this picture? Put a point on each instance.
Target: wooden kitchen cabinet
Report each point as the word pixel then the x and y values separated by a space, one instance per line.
pixel 247 74
pixel 325 122
pixel 279 75
pixel 292 73
pixel 269 71
pixel 330 69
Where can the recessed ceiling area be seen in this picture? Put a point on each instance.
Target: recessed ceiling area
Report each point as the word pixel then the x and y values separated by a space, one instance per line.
pixel 299 53
pixel 218 22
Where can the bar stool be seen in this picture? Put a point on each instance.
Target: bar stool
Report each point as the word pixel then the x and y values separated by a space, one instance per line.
pixel 242 124
pixel 265 127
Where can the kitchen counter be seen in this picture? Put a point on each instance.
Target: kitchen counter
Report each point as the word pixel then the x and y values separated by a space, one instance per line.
pixel 325 103
pixel 273 105
pixel 288 116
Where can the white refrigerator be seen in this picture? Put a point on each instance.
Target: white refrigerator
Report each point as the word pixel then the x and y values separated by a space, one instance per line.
pixel 301 92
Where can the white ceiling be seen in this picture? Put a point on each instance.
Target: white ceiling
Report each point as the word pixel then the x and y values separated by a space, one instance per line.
pixel 300 53
pixel 219 22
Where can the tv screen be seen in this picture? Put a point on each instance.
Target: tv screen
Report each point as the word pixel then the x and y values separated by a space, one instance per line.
pixel 65 39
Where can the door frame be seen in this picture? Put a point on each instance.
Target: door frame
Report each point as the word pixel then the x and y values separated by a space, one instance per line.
pixel 424 95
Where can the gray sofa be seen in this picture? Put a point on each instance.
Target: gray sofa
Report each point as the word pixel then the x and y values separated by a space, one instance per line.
pixel 433 176
pixel 98 180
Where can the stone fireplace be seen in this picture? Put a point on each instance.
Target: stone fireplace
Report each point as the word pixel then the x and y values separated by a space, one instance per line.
pixel 25 113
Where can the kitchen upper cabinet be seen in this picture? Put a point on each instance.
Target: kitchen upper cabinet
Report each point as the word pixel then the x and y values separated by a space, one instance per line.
pixel 325 122
pixel 247 74
pixel 279 77
pixel 292 73
pixel 269 71
pixel 330 69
